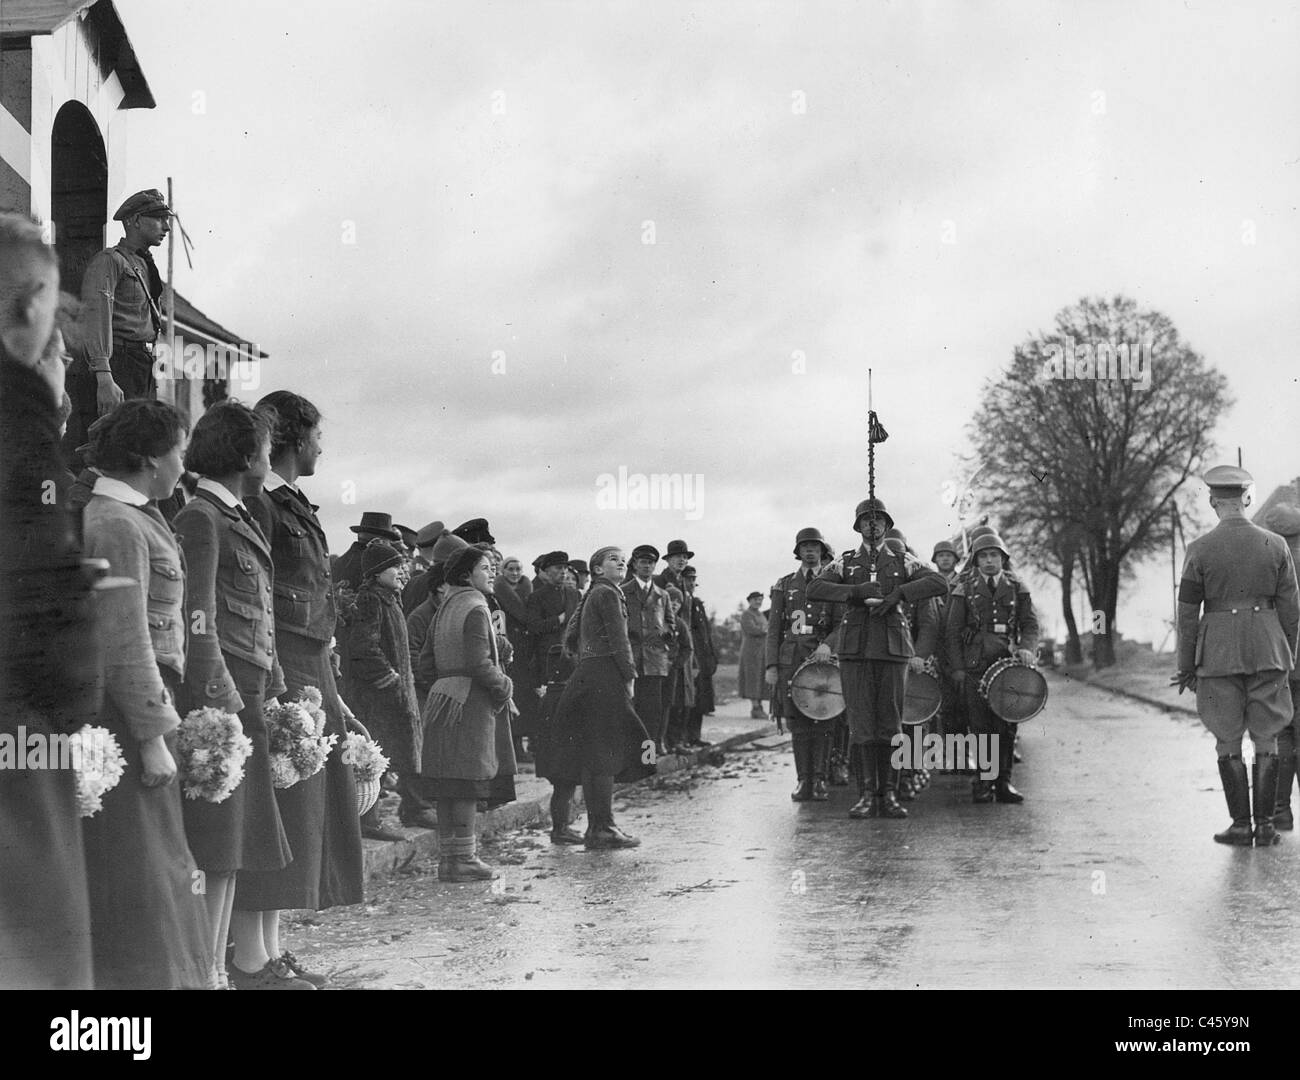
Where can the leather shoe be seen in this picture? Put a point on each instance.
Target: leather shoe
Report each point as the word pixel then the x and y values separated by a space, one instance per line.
pixel 803 792
pixel 423 819
pixel 890 807
pixel 1237 834
pixel 461 869
pixel 381 832
pixel 819 792
pixel 272 976
pixel 609 837
pixel 1004 792
pixel 567 835
pixel 291 965
pixel 981 791
pixel 865 807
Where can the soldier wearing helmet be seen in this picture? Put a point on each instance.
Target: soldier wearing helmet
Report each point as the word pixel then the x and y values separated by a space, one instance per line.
pixel 874 648
pixel 990 616
pixel 797 629
pixel 1238 654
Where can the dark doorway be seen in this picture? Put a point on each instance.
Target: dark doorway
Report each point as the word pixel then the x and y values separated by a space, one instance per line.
pixel 78 191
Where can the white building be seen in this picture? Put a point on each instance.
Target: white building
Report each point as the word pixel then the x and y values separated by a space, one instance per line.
pixel 68 73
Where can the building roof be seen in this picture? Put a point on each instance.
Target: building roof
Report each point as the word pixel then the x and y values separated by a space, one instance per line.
pixel 191 322
pixel 26 18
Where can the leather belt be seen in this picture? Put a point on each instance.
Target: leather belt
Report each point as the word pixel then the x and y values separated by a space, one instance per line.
pixel 1248 603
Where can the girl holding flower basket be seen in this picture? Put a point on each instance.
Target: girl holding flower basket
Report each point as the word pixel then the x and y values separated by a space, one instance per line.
pixel 319 812
pixel 149 924
pixel 232 666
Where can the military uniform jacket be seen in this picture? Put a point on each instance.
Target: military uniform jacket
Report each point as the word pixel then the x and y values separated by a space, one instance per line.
pixel 984 626
pixel 228 600
pixel 1237 566
pixel 303 589
pixel 899 579
pixel 649 627
pixel 795 624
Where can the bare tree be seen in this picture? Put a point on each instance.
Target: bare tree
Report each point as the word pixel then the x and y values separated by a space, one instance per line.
pixel 1087 438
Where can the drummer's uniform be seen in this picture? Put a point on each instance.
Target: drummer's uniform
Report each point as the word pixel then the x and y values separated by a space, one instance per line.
pixel 989 619
pixel 796 626
pixel 874 648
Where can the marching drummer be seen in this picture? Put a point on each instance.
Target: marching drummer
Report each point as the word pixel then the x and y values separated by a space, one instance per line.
pixel 875 646
pixel 990 616
pixel 923 619
pixel 797 629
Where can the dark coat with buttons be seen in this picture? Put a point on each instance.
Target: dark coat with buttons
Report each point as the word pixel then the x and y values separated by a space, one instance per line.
pixel 303 587
pixel 876 633
pixel 229 605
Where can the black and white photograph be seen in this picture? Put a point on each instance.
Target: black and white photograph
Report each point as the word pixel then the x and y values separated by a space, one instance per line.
pixel 599 495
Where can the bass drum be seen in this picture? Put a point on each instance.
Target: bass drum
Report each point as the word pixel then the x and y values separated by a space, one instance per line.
pixel 923 697
pixel 815 688
pixel 1015 691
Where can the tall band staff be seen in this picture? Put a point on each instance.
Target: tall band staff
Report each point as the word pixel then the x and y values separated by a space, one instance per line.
pixel 876 642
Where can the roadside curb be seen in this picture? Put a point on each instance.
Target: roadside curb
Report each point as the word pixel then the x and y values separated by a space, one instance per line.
pixel 1135 695
pixel 384 858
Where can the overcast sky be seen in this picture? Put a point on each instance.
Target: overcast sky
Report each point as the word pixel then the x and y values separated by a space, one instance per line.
pixel 913 187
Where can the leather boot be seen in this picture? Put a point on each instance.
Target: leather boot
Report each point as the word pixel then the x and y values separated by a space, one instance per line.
pixel 1282 817
pixel 802 767
pixel 864 769
pixel 820 753
pixel 889 804
pixel 1265 783
pixel 1002 789
pixel 1232 771
pixel 463 863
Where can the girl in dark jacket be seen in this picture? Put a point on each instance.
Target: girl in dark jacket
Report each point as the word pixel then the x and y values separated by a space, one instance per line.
pixel 597 733
pixel 232 666
pixel 319 813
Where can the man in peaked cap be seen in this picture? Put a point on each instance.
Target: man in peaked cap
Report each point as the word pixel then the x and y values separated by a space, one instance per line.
pixel 474 531
pixel 650 627
pixel 121 317
pixel 874 648
pixel 582 572
pixel 797 629
pixel 1238 619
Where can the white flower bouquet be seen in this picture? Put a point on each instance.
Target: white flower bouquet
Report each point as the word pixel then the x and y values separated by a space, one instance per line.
pixel 296 738
pixel 98 763
pixel 211 748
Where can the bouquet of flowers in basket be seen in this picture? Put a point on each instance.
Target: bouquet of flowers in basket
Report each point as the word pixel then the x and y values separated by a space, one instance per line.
pixel 365 756
pixel 211 748
pixel 368 764
pixel 98 764
pixel 296 738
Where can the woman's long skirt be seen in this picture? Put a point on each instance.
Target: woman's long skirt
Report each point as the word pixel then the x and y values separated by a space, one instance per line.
pixel 319 813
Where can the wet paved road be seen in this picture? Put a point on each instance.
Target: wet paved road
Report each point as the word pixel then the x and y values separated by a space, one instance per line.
pixel 1106 877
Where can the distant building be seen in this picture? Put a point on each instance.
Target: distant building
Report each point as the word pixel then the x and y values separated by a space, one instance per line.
pixel 67 75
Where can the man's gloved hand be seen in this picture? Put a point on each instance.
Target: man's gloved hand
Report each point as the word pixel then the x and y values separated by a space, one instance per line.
pixel 867 590
pixel 1184 680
